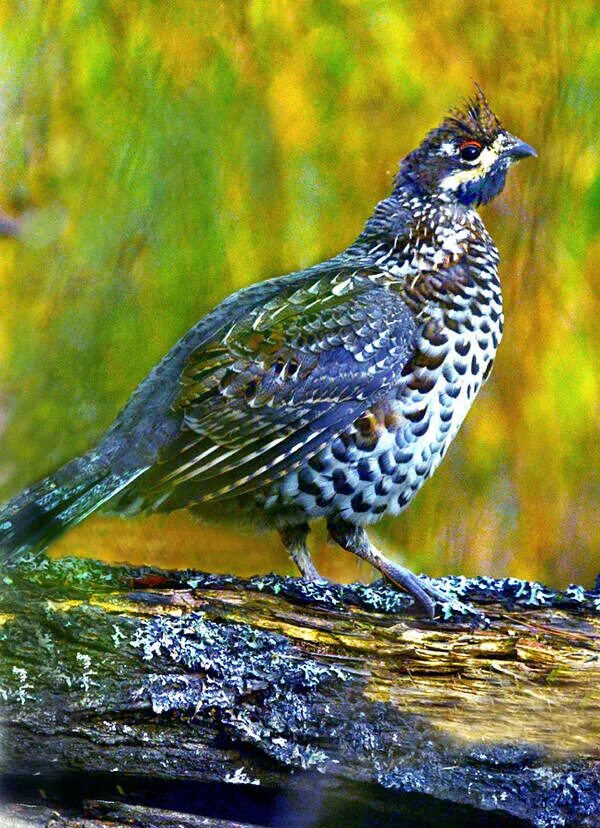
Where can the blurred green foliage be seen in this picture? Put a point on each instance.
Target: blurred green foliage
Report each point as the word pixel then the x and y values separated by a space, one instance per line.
pixel 163 155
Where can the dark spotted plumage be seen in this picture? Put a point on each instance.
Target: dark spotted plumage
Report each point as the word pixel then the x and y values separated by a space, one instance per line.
pixel 332 392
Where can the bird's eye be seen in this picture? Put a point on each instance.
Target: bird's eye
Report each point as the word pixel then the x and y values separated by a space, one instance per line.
pixel 470 150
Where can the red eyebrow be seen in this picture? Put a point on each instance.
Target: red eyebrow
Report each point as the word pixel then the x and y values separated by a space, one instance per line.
pixel 470 144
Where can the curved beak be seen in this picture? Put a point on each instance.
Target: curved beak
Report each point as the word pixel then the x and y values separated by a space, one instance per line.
pixel 520 150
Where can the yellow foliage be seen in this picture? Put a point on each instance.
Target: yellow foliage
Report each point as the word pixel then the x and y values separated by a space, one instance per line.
pixel 163 155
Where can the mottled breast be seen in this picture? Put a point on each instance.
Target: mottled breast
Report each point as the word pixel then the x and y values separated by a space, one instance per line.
pixel 378 464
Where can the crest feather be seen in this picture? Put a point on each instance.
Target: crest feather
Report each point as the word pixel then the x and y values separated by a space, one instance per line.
pixel 476 118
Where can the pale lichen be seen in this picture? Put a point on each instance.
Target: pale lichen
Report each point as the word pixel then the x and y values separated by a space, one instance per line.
pixel 256 682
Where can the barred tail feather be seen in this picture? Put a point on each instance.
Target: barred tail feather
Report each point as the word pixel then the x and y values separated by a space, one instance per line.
pixel 44 511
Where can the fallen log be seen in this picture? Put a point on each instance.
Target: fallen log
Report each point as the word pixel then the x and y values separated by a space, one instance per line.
pixel 134 696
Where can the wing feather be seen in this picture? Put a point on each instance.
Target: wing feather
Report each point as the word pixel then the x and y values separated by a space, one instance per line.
pixel 281 384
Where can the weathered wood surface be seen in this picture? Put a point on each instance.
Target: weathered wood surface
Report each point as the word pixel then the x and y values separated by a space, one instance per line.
pixel 305 704
pixel 105 815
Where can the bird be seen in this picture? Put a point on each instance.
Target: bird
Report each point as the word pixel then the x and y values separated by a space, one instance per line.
pixel 329 393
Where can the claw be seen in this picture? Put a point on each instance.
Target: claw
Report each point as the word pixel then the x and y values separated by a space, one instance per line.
pixel 424 595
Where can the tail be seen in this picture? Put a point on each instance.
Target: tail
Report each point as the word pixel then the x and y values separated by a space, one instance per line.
pixel 42 512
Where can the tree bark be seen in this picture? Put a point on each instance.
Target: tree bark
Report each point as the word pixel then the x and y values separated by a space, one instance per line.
pixel 141 697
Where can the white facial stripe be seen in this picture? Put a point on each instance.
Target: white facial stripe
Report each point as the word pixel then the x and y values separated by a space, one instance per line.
pixel 480 167
pixel 447 148
pixel 500 143
pixel 486 158
pixel 454 180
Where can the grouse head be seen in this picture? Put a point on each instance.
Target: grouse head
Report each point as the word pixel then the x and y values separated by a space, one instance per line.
pixel 466 158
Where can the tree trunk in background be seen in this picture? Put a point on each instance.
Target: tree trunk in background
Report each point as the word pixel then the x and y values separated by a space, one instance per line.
pixel 140 697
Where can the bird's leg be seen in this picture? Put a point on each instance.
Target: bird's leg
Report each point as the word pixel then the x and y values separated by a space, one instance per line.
pixel 294 540
pixel 355 539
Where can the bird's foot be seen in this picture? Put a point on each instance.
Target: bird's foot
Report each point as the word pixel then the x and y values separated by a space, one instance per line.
pixel 319 579
pixel 310 573
pixel 450 607
pixel 425 595
pixel 435 602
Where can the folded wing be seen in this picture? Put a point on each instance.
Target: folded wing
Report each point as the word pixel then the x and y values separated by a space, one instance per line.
pixel 280 385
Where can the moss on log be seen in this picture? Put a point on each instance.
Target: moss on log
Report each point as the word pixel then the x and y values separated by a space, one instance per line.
pixel 126 686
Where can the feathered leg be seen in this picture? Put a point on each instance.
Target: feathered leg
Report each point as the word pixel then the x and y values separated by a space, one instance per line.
pixel 294 540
